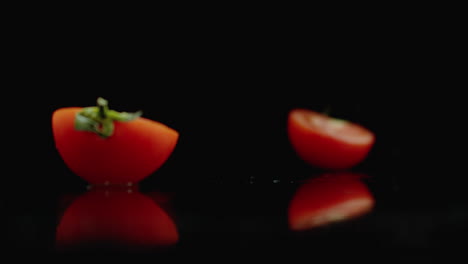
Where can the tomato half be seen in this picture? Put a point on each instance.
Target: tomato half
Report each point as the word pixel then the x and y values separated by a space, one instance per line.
pixel 327 199
pixel 327 142
pixel 135 150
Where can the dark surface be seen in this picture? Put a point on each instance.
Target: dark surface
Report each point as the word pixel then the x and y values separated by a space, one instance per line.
pixel 233 172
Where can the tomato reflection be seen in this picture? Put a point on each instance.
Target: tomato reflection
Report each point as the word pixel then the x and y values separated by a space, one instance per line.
pixel 121 218
pixel 329 198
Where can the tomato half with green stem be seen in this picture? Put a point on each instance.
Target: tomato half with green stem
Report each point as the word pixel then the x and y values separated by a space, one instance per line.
pixel 104 146
pixel 326 142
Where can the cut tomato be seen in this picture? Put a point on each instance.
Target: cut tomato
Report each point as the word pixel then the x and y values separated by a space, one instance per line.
pixel 327 142
pixel 327 199
pixel 111 151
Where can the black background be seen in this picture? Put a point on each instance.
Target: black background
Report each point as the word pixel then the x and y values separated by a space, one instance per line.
pixel 228 89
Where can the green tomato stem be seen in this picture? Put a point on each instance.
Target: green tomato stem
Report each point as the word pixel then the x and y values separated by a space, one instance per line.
pixel 100 119
pixel 103 107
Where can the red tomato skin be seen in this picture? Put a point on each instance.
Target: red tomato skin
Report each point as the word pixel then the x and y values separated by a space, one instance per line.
pixel 116 218
pixel 135 150
pixel 324 151
pixel 315 196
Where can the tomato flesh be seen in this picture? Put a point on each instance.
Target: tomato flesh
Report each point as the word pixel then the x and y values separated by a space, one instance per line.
pixel 327 142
